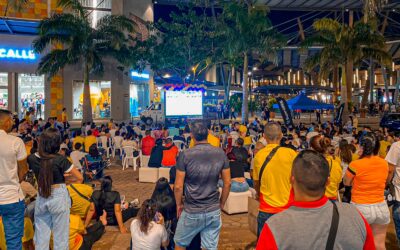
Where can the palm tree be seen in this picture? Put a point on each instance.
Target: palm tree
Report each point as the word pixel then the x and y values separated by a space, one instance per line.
pixel 249 33
pixel 81 44
pixel 343 46
pixel 16 5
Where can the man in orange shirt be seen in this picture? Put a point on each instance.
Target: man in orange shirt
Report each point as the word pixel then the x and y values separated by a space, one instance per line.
pixel 170 153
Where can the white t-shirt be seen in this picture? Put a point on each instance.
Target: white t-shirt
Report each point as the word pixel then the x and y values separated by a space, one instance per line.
pixel 76 156
pixel 150 241
pixel 393 157
pixel 13 150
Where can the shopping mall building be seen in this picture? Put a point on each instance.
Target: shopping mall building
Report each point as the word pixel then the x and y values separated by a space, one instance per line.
pixel 117 94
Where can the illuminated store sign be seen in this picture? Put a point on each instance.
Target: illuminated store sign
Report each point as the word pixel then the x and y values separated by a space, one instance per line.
pixel 140 75
pixel 23 54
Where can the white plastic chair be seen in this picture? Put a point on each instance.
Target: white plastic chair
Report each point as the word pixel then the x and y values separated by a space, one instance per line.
pixel 104 142
pixel 179 145
pixel 116 146
pixel 127 156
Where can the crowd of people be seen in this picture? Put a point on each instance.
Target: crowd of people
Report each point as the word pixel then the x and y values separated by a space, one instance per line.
pixel 321 185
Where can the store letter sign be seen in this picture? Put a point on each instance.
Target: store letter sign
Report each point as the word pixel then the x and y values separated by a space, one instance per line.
pixel 23 54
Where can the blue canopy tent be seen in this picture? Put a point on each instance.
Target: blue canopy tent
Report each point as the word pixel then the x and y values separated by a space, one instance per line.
pixel 304 103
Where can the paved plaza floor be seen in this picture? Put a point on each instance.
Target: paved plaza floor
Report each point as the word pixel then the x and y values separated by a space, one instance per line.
pixel 234 234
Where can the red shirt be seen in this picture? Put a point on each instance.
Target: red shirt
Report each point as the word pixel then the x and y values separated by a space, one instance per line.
pixel 169 155
pixel 148 143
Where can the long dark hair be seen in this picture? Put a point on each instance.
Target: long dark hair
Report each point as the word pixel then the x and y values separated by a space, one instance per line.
pixel 146 214
pixel 370 145
pixel 165 199
pixel 49 145
pixel 106 186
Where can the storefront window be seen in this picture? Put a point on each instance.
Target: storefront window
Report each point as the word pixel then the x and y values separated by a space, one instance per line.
pixel 139 97
pixel 100 97
pixel 31 94
pixel 3 90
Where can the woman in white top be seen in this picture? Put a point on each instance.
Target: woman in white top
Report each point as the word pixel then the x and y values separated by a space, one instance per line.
pixel 147 229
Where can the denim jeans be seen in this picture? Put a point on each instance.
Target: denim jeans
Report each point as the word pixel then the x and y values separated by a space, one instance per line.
pixel 396 219
pixel 13 222
pixel 52 215
pixel 261 219
pixel 236 187
pixel 207 224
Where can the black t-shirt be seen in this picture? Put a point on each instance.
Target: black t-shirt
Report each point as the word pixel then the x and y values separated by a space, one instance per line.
pixel 156 157
pixel 106 202
pixel 237 169
pixel 60 165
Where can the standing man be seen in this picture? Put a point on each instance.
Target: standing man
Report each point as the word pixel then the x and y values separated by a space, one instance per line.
pixel 198 171
pixel 318 113
pixel 219 112
pixel 12 169
pixel 312 221
pixel 273 183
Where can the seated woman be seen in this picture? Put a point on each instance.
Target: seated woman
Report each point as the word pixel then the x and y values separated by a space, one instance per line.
pixel 147 230
pixel 130 142
pixel 110 201
pixel 156 155
pixel 238 181
pixel 164 198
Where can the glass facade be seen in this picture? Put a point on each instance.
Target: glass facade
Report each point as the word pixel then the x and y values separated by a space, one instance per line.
pixel 3 90
pixel 97 9
pixel 31 94
pixel 139 97
pixel 100 98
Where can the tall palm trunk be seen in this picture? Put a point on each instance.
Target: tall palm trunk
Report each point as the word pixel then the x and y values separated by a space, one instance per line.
pixel 343 94
pixel 349 80
pixel 385 81
pixel 396 92
pixel 87 105
pixel 364 100
pixel 335 79
pixel 245 106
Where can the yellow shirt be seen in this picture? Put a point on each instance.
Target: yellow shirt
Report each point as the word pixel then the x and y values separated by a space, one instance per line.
pixel 335 177
pixel 77 139
pixel 213 140
pixel 89 141
pixel 80 205
pixel 355 157
pixel 275 185
pixel 28 233
pixel 64 117
pixel 75 227
pixel 247 140
pixel 242 130
pixel 28 149
pixel 383 148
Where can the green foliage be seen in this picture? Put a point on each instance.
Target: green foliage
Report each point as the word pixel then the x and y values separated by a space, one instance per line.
pixel 235 101
pixel 182 46
pixel 79 42
pixel 341 43
pixel 271 102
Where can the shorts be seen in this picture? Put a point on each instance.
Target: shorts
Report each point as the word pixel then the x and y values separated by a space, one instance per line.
pixel 207 224
pixel 377 213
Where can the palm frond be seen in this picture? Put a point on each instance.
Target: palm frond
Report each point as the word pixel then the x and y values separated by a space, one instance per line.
pixel 326 24
pixel 116 22
pixel 51 63
pixel 74 5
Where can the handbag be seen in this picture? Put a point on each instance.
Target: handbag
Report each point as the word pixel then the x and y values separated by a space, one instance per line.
pixel 334 228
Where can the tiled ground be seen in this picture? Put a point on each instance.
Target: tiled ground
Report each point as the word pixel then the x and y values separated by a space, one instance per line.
pixel 234 235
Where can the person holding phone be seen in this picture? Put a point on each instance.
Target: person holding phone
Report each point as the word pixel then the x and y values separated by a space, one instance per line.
pixel 147 229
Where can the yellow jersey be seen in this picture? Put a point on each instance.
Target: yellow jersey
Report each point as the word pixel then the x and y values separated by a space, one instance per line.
pixel 80 206
pixel 89 141
pixel 78 139
pixel 335 177
pixel 275 190
pixel 213 140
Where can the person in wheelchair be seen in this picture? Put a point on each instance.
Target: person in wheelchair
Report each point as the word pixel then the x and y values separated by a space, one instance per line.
pixel 94 163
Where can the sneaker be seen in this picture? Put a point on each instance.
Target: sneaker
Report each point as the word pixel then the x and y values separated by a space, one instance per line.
pixel 134 203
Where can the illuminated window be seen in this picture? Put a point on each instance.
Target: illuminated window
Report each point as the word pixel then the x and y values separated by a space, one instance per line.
pixel 97 9
pixel 3 90
pixel 31 94
pixel 100 98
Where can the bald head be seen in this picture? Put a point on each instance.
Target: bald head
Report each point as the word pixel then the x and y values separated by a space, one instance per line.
pixel 273 132
pixel 6 122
